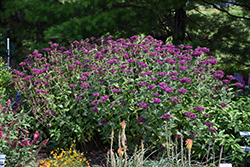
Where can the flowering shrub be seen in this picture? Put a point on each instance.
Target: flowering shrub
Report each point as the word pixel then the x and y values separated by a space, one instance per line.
pixel 19 146
pixel 92 86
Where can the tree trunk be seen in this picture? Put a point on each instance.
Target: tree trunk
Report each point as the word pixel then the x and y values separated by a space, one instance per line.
pixel 180 26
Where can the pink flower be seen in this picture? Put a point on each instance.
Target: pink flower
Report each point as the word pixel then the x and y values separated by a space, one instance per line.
pixel 36 134
pixel 1 133
pixel 45 142
pixel 26 142
pixel 8 102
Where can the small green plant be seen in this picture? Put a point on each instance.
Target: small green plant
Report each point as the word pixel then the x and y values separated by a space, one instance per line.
pixel 66 158
pixel 16 142
pixel 5 77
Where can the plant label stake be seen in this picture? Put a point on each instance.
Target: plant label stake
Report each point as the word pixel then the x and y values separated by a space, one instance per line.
pixel 8 46
pixel 245 148
pixel 2 160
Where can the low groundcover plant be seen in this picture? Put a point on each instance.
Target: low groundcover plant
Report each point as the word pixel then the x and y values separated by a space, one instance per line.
pixel 87 89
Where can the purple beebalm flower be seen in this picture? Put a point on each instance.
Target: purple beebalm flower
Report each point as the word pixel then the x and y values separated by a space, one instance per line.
pixel 95 94
pixel 141 119
pixel 72 85
pixel 173 78
pixel 48 112
pixel 223 105
pixel 116 90
pixel 163 148
pixel 169 90
pixel 183 68
pixel 173 73
pixel 230 77
pixel 182 90
pixel 209 124
pixel 175 99
pixel 95 109
pixel 133 91
pixel 226 81
pixel 166 116
pixel 198 108
pixel 143 104
pixel 123 102
pixel 183 80
pixel 103 122
pixel 105 97
pixel 177 136
pixel 156 100
pixel 162 73
pixel 213 130
pixel 151 86
pixel 239 85
pixel 156 94
pixel 142 83
pixel 190 115
pixel 46 83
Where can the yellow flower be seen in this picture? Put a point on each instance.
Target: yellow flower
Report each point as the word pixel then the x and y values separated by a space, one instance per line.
pixel 189 143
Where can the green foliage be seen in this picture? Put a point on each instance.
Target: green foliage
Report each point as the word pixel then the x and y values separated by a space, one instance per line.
pixel 5 78
pixel 19 146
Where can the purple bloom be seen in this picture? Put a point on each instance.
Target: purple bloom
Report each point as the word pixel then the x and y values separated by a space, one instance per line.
pixel 173 78
pixel 94 102
pixel 142 83
pixel 105 97
pixel 166 116
pixel 133 91
pixel 163 148
pixel 103 122
pixel 162 73
pixel 190 115
pixel 175 99
pixel 48 112
pixel 183 68
pixel 143 104
pixel 151 86
pixel 116 90
pixel 95 94
pixel 183 80
pixel 239 85
pixel 223 105
pixel 198 108
pixel 141 119
pixel 230 77
pixel 95 109
pixel 156 94
pixel 177 136
pixel 156 100
pixel 123 102
pixel 226 81
pixel 173 73
pixel 72 85
pixel 209 124
pixel 213 130
pixel 169 90
pixel 182 90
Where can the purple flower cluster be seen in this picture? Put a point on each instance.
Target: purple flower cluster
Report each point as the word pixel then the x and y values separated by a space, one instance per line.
pixel 143 104
pixel 210 124
pixel 175 99
pixel 166 116
pixel 141 119
pixel 190 115
pixel 156 100
pixel 182 90
pixel 198 108
pixel 183 80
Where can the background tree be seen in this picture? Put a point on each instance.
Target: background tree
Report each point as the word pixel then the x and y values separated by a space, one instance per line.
pixel 210 23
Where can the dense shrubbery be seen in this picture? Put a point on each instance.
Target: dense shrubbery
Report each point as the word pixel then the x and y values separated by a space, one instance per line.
pixel 90 88
pixel 5 78
pixel 19 146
